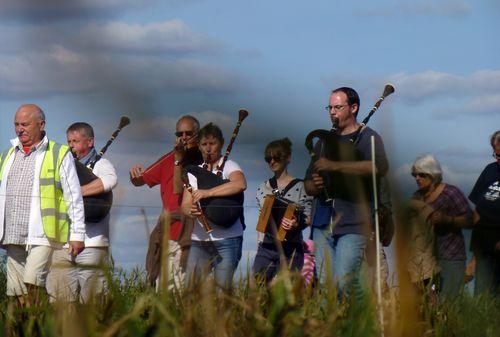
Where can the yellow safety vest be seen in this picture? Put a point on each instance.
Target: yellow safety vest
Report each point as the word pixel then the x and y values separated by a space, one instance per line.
pixel 53 207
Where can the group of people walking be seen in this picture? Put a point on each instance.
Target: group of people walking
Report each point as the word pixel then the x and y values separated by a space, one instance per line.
pixel 52 247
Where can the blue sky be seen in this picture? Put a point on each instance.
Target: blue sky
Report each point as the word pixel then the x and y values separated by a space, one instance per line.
pixel 156 60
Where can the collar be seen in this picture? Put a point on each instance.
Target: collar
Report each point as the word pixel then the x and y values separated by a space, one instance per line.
pixel 215 166
pixel 85 160
pixel 42 145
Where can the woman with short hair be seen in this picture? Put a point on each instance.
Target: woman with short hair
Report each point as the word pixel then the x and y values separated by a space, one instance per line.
pixel 447 211
pixel 220 250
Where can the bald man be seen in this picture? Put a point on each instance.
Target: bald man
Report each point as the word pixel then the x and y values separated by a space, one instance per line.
pixel 41 205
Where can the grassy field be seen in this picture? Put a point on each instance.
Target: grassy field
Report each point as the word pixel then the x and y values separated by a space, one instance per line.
pixel 285 309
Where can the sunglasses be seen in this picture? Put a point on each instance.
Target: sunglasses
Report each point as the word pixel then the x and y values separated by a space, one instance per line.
pixel 181 133
pixel 420 175
pixel 275 158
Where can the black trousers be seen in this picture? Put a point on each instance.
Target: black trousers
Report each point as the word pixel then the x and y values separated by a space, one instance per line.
pixel 267 261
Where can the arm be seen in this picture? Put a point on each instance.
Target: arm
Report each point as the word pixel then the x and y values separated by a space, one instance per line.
pixel 106 182
pixel 363 167
pixel 460 221
pixel 313 185
pixel 457 212
pixel 93 188
pixel 136 175
pixel 237 184
pixel 188 207
pixel 73 198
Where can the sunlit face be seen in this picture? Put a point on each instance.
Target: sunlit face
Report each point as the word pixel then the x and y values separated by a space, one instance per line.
pixel 423 180
pixel 80 145
pixel 341 109
pixel 185 130
pixel 210 148
pixel 29 127
pixel 276 161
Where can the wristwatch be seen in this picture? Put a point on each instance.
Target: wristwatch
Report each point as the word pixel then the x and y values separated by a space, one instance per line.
pixel 177 162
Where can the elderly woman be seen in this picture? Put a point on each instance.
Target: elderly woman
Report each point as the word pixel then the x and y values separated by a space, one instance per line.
pixel 267 262
pixel 220 250
pixel 447 211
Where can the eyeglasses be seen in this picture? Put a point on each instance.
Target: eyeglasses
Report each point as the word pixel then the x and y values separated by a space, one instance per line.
pixel 275 158
pixel 337 108
pixel 420 175
pixel 181 133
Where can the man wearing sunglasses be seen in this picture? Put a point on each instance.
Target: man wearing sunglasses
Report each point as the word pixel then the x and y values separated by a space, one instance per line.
pixel 485 241
pixel 166 172
pixel 343 232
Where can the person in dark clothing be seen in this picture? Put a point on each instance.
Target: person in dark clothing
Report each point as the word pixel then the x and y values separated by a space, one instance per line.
pixel 485 241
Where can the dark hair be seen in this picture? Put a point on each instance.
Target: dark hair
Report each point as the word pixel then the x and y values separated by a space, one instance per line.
pixel 494 136
pixel 83 128
pixel 352 96
pixel 211 130
pixel 280 147
pixel 192 119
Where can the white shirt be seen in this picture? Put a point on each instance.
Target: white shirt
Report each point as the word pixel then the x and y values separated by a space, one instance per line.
pixel 218 233
pixel 97 233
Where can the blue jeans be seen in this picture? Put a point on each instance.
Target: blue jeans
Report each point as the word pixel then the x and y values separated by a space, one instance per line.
pixel 323 244
pixel 487 274
pixel 344 253
pixel 349 250
pixel 451 278
pixel 220 256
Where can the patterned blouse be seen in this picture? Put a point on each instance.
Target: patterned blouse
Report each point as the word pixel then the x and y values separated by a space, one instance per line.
pixel 450 240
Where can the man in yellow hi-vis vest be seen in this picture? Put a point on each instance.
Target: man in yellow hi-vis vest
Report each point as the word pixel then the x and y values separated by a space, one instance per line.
pixel 41 205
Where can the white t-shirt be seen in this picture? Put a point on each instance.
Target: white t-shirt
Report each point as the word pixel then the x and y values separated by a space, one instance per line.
pixel 218 233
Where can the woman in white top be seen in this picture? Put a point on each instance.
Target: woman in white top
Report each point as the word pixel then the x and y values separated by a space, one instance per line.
pixel 220 250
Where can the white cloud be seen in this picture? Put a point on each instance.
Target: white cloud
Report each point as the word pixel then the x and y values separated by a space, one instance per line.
pixel 172 36
pixel 487 105
pixel 420 87
pixel 441 8
pixel 63 71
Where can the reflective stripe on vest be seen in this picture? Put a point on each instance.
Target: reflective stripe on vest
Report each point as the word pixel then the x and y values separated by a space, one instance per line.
pixel 53 207
pixel 3 160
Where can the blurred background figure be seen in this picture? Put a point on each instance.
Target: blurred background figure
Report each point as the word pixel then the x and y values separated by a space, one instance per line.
pixel 485 241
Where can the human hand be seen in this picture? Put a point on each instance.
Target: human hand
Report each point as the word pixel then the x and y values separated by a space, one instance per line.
pixel 76 247
pixel 288 224
pixel 195 210
pixel 200 194
pixel 436 218
pixel 318 181
pixel 324 164
pixel 136 175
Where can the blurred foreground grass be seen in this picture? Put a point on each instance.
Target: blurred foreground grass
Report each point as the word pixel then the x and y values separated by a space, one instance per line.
pixel 286 309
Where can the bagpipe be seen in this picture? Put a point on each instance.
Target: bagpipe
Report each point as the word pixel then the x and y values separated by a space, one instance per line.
pixel 222 211
pixel 97 206
pixel 350 187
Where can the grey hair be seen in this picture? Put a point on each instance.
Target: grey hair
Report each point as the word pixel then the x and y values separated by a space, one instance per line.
pixel 41 115
pixel 428 164
pixel 189 118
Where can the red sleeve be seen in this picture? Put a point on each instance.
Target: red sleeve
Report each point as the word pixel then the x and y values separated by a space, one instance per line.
pixel 153 174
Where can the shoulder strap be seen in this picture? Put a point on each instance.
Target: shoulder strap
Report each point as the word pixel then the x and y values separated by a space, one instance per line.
pixel 290 185
pixel 274 185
